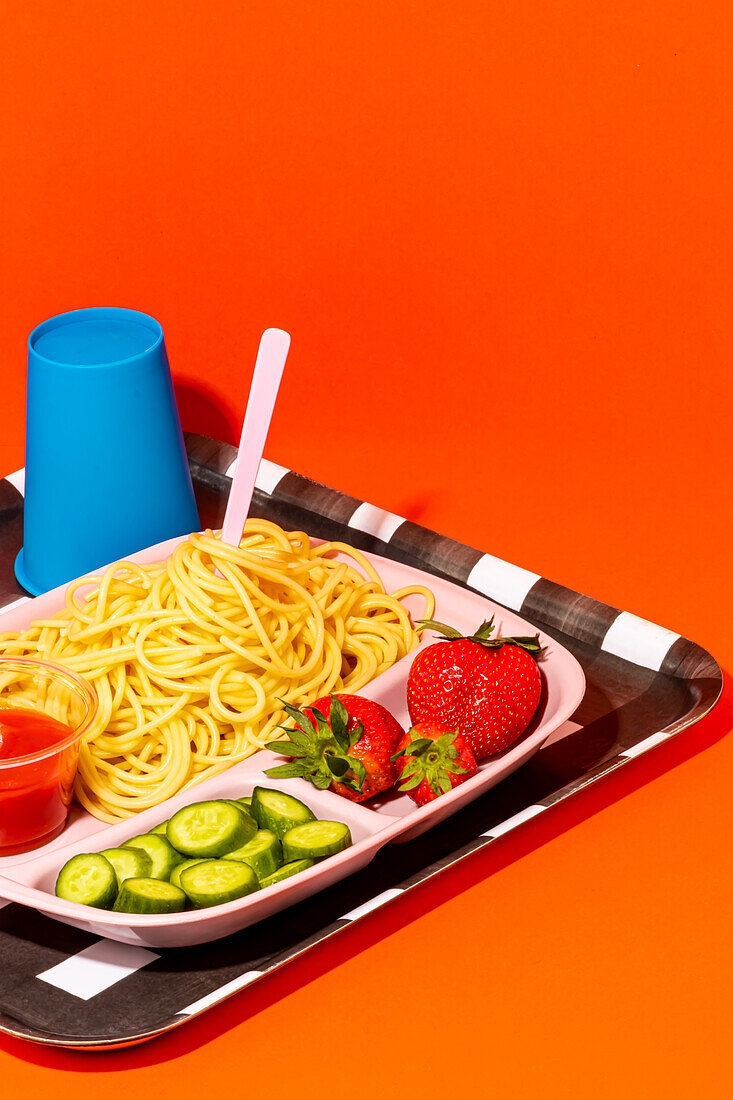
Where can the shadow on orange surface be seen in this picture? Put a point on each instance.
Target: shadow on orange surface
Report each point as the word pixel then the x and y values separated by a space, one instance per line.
pixel 200 410
pixel 402 912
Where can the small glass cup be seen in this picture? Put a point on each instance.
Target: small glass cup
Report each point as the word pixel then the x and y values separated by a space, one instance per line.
pixel 36 788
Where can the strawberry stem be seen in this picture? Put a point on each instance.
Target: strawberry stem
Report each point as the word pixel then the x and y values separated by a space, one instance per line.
pixel 483 636
pixel 320 752
pixel 431 760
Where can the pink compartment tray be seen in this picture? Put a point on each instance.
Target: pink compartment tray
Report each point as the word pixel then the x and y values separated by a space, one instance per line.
pixel 29 878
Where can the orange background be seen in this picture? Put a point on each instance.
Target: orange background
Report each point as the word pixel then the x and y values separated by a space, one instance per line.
pixel 500 236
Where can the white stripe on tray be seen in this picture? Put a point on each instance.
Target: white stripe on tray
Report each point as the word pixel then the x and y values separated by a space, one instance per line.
pixel 375 521
pixel 636 640
pixel 221 993
pixel 17 479
pixel 373 903
pixel 268 477
pixel 15 603
pixel 644 746
pixel 512 822
pixel 501 581
pixel 97 968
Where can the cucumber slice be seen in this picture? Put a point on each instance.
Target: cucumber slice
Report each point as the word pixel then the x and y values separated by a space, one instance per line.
pixel 163 855
pixel 149 895
pixel 236 803
pixel 263 853
pixel 316 840
pixel 216 881
pixel 278 812
pixel 88 880
pixel 246 802
pixel 209 829
pixel 246 811
pixel 129 863
pixel 160 829
pixel 175 879
pixel 285 871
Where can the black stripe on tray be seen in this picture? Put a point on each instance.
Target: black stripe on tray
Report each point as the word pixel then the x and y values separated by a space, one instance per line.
pixel 313 497
pixel 687 660
pixel 209 452
pixel 31 944
pixel 425 549
pixel 579 616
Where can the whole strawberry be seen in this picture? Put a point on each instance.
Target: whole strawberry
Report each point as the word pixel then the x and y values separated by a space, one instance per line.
pixel 341 742
pixel 432 760
pixel 486 688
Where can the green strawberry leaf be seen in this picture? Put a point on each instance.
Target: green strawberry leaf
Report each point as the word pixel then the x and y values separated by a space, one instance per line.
pixel 351 785
pixel 412 768
pixel 358 769
pixel 337 765
pixel 288 748
pixel 484 631
pixel 411 783
pixel 531 645
pixel 301 720
pixel 339 721
pixel 483 636
pixel 286 771
pixel 296 736
pixel 440 628
pixel 415 748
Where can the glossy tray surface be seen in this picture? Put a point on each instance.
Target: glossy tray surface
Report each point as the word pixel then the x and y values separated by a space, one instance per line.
pixel 64 985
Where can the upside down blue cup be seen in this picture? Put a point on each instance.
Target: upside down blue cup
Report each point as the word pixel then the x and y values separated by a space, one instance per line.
pixel 106 468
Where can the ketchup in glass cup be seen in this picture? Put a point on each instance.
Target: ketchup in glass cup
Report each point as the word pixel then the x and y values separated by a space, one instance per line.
pixel 45 710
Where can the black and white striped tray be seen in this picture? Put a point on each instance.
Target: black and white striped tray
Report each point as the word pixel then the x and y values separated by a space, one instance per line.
pixel 645 684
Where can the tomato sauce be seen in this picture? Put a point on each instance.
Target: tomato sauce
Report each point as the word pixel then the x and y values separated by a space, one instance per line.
pixel 34 794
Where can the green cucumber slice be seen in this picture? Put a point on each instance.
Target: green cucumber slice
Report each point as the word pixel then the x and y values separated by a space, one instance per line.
pixel 263 853
pixel 235 802
pixel 129 863
pixel 88 880
pixel 277 811
pixel 209 829
pixel 160 829
pixel 246 811
pixel 216 881
pixel 286 871
pixel 316 840
pixel 163 855
pixel 246 802
pixel 175 879
pixel 149 895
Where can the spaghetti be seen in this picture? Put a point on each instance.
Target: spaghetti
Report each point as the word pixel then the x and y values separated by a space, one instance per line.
pixel 191 658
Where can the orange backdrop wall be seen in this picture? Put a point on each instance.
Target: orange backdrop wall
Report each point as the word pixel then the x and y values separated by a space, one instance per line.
pixel 500 236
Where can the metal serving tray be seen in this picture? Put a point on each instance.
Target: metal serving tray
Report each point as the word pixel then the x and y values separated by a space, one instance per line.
pixel 62 986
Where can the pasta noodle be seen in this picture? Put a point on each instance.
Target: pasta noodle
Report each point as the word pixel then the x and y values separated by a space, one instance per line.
pixel 191 657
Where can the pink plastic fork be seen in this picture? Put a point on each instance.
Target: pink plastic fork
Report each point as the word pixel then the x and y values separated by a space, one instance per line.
pixel 273 352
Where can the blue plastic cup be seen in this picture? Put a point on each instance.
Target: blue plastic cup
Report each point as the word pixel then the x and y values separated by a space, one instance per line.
pixel 106 466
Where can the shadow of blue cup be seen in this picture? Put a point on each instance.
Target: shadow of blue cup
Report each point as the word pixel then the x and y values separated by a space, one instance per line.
pixel 106 467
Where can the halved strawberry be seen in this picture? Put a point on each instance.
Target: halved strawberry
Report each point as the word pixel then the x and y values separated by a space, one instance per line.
pixel 341 742
pixel 432 760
